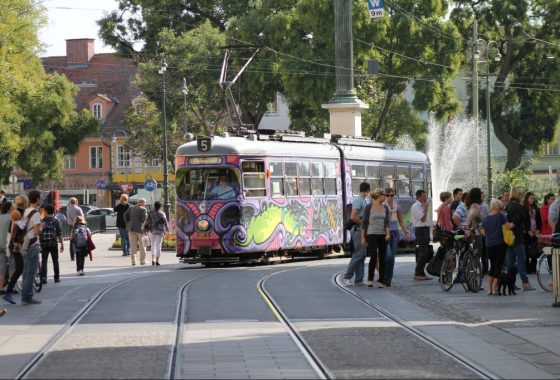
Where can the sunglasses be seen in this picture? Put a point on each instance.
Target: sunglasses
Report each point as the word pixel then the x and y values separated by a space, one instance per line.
pixel 390 195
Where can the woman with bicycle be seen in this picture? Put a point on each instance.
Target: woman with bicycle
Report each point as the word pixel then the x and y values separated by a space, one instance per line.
pixel 492 228
pixel 548 200
pixel 376 234
pixel 474 219
pixel 533 228
pixel 516 253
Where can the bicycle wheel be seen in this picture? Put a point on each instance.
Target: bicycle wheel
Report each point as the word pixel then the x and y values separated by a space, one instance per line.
pixel 446 277
pixel 473 272
pixel 38 282
pixel 544 272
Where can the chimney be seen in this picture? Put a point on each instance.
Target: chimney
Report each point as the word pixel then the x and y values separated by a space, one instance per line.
pixel 79 51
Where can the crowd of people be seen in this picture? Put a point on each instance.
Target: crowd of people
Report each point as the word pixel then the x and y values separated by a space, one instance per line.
pixel 376 217
pixel 29 230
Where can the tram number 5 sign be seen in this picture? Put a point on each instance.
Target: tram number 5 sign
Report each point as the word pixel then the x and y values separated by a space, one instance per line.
pixel 375 8
pixel 204 144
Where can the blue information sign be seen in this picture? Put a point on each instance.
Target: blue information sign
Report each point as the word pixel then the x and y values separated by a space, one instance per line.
pixel 100 184
pixel 375 8
pixel 150 184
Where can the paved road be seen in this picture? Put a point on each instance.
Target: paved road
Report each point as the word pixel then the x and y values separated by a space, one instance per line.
pixel 230 332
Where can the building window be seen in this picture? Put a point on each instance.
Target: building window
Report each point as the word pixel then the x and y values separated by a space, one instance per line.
pixel 272 107
pixel 551 149
pixel 95 157
pixel 70 162
pixel 153 162
pixel 97 110
pixel 123 156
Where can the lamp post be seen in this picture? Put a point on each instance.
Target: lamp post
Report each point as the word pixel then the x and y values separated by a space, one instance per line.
pixel 161 71
pixel 185 92
pixel 475 54
pixel 497 58
pixel 114 140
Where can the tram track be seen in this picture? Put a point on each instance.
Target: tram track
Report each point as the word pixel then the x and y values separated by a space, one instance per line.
pixel 74 321
pixel 318 366
pixel 483 373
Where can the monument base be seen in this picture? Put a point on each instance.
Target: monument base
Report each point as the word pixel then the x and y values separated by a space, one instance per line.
pixel 346 118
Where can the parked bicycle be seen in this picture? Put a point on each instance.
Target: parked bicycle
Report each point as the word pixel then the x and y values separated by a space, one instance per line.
pixel 461 263
pixel 544 270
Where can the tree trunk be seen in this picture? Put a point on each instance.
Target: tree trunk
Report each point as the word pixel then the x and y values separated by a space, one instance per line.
pixel 381 123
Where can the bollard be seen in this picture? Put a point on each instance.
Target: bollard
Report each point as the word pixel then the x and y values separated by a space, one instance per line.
pixel 556 275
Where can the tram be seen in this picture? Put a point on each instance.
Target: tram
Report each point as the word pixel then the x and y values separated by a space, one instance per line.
pixel 246 199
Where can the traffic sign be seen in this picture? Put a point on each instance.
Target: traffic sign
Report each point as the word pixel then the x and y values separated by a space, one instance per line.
pixel 125 187
pixel 150 184
pixel 100 184
pixel 375 8
pixel 13 178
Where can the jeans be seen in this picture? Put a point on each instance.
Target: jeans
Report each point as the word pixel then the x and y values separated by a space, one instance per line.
pixel 53 251
pixel 18 260
pixel 390 256
pixel 517 253
pixel 376 246
pixel 125 241
pixel 423 243
pixel 30 263
pixel 356 265
pixel 80 259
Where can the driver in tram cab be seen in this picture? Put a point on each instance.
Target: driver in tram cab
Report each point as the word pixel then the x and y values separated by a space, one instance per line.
pixel 223 190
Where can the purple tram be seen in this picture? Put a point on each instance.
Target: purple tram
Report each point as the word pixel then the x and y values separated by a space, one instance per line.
pixel 246 199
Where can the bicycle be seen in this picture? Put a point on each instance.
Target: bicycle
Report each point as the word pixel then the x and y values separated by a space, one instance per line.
pixel 544 271
pixel 461 264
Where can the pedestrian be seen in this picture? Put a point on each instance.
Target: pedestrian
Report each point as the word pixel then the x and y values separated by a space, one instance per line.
pixel 396 218
pixel 505 198
pixel 459 217
pixel 457 197
pixel 3 197
pixel 120 209
pixel 474 219
pixel 516 253
pixel 444 211
pixel 5 220
pixel 357 261
pixel 157 222
pixel 21 203
pixel 376 235
pixel 421 220
pixel 548 200
pixel 495 246
pixel 135 217
pixel 79 237
pixel 72 213
pixel 51 235
pixel 553 212
pixel 532 229
pixel 31 248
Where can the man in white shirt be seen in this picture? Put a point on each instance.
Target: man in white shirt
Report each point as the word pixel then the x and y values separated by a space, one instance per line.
pixel 357 262
pixel 421 220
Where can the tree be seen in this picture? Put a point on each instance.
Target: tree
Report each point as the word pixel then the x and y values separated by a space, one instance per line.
pixel 524 102
pixel 38 121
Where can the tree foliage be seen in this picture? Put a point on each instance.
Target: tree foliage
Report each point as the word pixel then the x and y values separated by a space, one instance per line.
pixel 38 121
pixel 524 101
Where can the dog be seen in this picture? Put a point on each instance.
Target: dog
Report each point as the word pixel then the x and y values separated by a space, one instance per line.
pixel 507 279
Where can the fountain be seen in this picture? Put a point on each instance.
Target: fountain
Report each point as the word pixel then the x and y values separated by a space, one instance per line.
pixel 452 150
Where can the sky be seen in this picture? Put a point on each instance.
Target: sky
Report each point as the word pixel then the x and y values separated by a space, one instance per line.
pixel 73 19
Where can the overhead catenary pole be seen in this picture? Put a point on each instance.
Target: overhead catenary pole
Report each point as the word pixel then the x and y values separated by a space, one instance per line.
pixel 475 95
pixel 488 145
pixel 166 204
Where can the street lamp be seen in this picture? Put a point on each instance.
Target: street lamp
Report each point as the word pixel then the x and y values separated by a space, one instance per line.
pixel 161 71
pixel 127 161
pixel 497 58
pixel 185 92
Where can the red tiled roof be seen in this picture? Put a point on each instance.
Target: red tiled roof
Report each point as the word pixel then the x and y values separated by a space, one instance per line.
pixel 105 74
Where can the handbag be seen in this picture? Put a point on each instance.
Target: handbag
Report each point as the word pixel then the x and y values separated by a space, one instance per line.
pixel 437 231
pixel 509 237
pixel 434 266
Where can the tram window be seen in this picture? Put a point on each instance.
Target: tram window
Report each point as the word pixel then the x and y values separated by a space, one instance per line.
pixel 254 183
pixel 206 184
pixel 317 169
pixel 276 178
pixel 388 176
pixel 304 170
pixel 373 174
pixel 358 176
pixel 304 182
pixel 317 178
pixel 291 186
pixel 429 180
pixel 291 169
pixel 276 169
pixel 330 178
pixel 403 181
pixel 417 174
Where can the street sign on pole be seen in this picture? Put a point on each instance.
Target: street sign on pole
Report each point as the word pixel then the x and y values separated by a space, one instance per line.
pixel 375 8
pixel 124 187
pixel 100 184
pixel 150 184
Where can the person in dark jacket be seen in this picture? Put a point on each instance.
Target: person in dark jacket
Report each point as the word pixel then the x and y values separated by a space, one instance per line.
pixel 532 229
pixel 120 209
pixel 516 253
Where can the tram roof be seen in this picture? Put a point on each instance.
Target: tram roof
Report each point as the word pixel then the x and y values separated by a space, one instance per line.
pixel 247 147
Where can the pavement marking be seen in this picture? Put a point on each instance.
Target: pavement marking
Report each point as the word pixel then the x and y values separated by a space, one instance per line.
pixel 231 320
pixel 337 319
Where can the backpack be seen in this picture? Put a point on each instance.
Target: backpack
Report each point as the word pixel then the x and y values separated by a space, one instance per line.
pixel 21 229
pixel 49 233
pixel 349 223
pixel 80 237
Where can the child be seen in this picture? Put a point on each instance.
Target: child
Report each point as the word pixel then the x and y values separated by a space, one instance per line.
pixel 79 237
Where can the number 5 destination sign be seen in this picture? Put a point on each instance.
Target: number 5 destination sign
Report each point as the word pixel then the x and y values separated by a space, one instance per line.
pixel 375 8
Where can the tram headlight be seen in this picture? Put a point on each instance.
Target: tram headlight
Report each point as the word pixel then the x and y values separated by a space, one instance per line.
pixel 203 225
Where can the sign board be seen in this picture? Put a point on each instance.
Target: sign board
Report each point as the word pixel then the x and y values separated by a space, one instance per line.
pixel 204 143
pixel 100 184
pixel 125 187
pixel 150 184
pixel 375 8
pixel 13 179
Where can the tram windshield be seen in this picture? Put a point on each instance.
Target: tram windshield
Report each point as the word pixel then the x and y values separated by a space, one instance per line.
pixel 207 184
